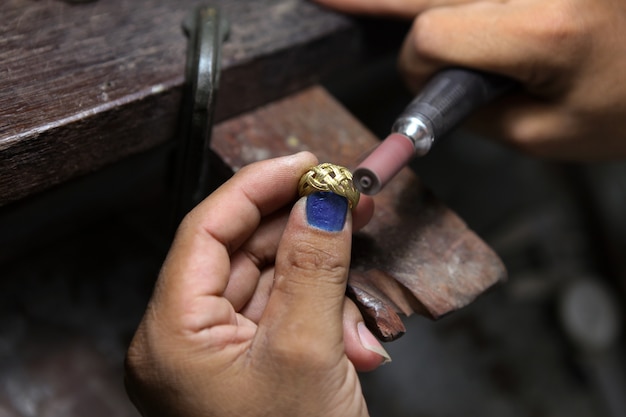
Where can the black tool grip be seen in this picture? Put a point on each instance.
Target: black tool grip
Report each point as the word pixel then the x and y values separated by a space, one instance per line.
pixel 452 94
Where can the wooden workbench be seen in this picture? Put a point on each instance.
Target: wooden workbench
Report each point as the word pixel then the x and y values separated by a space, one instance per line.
pixel 85 85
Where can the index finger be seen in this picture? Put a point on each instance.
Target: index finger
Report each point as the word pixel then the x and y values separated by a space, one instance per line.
pixel 393 8
pixel 528 41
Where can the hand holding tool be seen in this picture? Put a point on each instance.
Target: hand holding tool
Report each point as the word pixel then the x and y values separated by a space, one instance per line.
pixel 448 98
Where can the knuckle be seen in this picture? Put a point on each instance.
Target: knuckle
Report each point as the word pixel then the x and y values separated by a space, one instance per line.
pixel 557 45
pixel 525 133
pixel 423 39
pixel 522 135
pixel 560 30
pixel 308 257
pixel 534 137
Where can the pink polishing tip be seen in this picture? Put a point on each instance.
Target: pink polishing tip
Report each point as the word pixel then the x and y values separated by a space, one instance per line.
pixel 393 154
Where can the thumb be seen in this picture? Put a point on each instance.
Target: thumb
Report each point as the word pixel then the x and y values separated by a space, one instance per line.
pixel 304 313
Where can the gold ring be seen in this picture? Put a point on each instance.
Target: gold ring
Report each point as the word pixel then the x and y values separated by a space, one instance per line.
pixel 329 178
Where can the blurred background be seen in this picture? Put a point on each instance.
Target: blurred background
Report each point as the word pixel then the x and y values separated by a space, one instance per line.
pixel 78 267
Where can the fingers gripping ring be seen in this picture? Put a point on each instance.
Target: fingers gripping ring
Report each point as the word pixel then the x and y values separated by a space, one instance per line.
pixel 331 178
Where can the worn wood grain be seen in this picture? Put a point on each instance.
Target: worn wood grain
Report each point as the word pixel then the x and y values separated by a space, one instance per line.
pixel 415 256
pixel 84 85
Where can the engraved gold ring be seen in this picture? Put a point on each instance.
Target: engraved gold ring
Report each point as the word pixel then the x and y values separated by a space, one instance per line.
pixel 328 177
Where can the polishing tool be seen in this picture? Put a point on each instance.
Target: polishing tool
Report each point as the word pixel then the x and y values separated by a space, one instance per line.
pixel 446 100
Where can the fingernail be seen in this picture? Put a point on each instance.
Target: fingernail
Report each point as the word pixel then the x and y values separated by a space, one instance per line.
pixel 369 342
pixel 326 211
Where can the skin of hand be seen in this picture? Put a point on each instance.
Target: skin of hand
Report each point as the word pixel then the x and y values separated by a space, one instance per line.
pixel 249 315
pixel 566 54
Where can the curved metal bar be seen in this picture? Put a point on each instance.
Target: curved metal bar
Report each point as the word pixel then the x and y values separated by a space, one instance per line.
pixel 206 30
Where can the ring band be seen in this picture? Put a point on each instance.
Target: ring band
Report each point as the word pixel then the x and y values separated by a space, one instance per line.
pixel 328 177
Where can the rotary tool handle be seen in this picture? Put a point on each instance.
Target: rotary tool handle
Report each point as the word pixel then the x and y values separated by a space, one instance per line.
pixel 452 94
